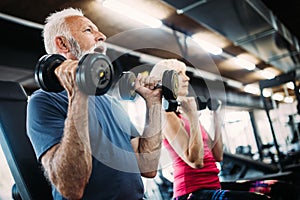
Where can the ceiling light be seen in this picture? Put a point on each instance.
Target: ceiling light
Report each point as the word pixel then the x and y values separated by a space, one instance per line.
pixel 288 99
pixel 208 46
pixel 290 85
pixel 251 89
pixel 203 74
pixel 149 59
pixel 267 74
pixel 123 9
pixel 234 83
pixel 267 92
pixel 244 63
pixel 277 97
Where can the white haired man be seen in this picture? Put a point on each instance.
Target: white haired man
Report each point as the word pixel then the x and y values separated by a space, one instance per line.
pixel 87 145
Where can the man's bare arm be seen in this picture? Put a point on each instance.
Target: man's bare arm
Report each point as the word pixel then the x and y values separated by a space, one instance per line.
pixel 148 146
pixel 68 164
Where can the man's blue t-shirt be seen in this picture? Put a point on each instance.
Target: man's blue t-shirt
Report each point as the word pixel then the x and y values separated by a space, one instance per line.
pixel 115 173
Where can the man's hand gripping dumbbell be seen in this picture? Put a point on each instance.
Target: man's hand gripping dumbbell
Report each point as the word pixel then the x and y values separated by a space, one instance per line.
pixel 169 85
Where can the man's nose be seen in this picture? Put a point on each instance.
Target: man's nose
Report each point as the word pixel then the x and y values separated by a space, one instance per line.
pixel 100 37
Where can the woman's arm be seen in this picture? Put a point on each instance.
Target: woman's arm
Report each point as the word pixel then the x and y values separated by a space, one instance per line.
pixel 217 143
pixel 188 146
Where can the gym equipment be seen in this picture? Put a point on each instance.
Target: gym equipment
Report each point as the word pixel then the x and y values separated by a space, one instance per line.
pixel 94 74
pixel 277 82
pixel 212 104
pixel 169 85
pixel 30 182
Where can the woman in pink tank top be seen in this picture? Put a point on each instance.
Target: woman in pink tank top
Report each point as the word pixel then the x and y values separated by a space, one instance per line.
pixel 194 153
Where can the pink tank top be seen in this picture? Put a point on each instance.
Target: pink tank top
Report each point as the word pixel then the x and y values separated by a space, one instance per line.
pixel 188 179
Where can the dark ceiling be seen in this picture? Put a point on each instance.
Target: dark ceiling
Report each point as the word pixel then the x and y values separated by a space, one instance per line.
pixel 215 20
pixel 288 12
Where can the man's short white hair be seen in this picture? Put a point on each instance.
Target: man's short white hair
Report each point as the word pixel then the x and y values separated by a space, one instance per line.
pixel 167 64
pixel 56 26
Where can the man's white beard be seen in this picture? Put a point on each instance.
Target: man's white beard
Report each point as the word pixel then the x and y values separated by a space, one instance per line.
pixel 100 47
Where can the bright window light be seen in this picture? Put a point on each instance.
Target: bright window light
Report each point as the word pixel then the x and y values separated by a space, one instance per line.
pixel 267 92
pixel 234 83
pixel 267 74
pixel 288 100
pixel 251 89
pixel 123 9
pixel 208 46
pixel 277 97
pixel 290 85
pixel 244 63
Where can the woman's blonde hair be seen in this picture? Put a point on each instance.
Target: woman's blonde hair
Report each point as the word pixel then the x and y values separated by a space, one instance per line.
pixel 167 64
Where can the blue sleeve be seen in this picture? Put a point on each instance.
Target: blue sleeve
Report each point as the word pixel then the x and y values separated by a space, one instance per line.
pixel 124 119
pixel 45 122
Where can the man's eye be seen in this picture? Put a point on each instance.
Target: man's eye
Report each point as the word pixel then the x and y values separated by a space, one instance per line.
pixel 88 30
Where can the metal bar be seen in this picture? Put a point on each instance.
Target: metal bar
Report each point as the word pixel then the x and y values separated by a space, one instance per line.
pixel 278 80
pixel 254 37
pixel 274 139
pixel 256 135
pixel 278 57
pixel 21 21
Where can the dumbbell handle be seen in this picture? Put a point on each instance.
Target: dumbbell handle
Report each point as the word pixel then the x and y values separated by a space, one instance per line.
pixel 202 103
pixel 158 85
pixel 169 85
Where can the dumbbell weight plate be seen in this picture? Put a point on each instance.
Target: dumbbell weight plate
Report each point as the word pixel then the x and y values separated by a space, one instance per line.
pixel 126 86
pixel 170 84
pixel 213 104
pixel 94 75
pixel 201 102
pixel 170 105
pixel 44 72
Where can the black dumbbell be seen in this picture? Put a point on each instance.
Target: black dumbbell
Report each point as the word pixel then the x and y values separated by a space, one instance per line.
pixel 94 73
pixel 169 85
pixel 212 104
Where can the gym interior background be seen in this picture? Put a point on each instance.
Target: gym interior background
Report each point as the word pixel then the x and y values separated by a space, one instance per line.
pixel 243 52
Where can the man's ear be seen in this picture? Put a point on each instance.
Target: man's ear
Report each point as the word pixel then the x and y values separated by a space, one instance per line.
pixel 62 44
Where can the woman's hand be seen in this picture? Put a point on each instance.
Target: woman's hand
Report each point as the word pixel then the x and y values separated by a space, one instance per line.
pixel 188 106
